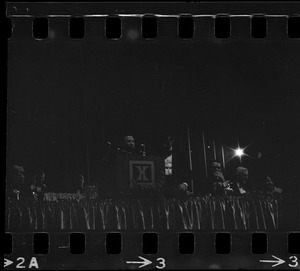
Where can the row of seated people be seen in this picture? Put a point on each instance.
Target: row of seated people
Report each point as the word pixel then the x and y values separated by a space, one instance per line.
pixel 218 186
pixel 17 187
pixel 239 185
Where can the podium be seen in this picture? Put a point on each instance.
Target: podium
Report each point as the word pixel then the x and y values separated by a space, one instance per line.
pixel 139 172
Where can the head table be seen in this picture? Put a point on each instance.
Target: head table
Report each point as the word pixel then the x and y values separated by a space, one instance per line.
pixel 61 211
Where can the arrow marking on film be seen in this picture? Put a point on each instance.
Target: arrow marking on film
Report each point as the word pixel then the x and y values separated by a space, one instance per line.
pixel 278 261
pixel 145 262
pixel 7 262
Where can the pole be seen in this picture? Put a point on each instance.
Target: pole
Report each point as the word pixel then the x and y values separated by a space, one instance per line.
pixel 86 140
pixel 223 157
pixel 102 129
pixel 190 156
pixel 204 153
pixel 214 146
pixel 83 71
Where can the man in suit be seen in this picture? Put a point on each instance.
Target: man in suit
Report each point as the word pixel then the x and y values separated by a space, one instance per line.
pixel 128 145
pixel 16 188
pixel 176 169
pixel 271 189
pixel 39 188
pixel 240 184
pixel 217 180
pixel 108 187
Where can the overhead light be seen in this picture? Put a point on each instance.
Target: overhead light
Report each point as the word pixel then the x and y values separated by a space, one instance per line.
pixel 239 152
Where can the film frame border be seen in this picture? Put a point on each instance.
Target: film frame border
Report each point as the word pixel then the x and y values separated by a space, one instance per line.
pixel 214 16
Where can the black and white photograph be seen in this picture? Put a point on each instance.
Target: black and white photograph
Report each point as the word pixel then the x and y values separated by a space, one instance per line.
pixel 125 118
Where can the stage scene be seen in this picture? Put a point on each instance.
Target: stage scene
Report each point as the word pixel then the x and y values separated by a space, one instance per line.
pixel 130 136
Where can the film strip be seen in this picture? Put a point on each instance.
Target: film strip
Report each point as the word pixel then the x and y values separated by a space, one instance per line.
pixel 219 26
pixel 155 250
pixel 209 90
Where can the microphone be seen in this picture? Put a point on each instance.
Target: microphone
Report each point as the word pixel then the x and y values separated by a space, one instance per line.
pixel 143 149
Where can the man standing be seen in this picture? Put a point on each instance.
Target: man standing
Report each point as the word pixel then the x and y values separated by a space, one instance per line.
pixel 176 184
pixel 128 145
pixel 109 187
pixel 168 146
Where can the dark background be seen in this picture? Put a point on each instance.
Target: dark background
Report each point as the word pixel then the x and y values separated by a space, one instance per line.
pixel 67 98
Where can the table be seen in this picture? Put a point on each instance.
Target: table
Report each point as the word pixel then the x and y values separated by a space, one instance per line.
pixel 196 213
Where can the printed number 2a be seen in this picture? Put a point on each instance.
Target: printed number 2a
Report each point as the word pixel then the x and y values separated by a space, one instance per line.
pixel 295 261
pixel 33 263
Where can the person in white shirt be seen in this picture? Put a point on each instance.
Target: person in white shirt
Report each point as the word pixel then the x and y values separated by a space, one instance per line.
pixel 182 187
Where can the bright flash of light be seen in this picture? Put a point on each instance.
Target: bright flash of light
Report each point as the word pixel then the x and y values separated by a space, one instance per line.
pixel 239 152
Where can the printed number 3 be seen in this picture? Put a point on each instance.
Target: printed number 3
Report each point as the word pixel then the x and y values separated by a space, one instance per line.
pixel 295 261
pixel 162 263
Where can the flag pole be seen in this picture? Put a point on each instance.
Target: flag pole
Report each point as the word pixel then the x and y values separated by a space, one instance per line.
pixel 204 153
pixel 82 66
pixel 86 139
pixel 190 157
pixel 214 147
pixel 223 157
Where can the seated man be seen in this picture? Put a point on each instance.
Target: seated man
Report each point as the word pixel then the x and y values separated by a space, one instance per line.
pixel 39 188
pixel 79 186
pixel 216 166
pixel 240 182
pixel 219 185
pixel 271 189
pixel 217 180
pixel 15 185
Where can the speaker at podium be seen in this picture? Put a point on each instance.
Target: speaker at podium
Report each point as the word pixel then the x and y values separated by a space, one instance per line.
pixel 136 172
